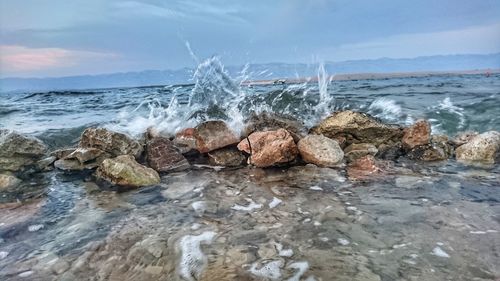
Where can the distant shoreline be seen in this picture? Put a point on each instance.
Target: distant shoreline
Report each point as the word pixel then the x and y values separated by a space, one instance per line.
pixel 373 76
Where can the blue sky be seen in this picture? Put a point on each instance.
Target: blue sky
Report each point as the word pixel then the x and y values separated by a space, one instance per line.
pixel 41 38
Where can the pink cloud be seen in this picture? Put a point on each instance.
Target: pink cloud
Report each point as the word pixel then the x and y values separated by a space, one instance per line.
pixel 15 58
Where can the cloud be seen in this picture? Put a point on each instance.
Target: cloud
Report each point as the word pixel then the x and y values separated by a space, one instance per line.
pixel 478 39
pixel 21 59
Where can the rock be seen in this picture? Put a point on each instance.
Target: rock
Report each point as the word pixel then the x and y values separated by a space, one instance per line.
pixel 84 155
pixel 320 150
pixel 443 142
pixel 18 151
pixel 8 181
pixel 428 152
pixel 363 168
pixel 271 121
pixel 358 150
pixel 185 140
pixel 418 134
pixel 162 155
pixel 358 127
pixel 45 163
pixel 74 165
pixel 390 152
pixel 269 148
pixel 111 142
pixel 463 138
pixel 212 135
pixel 227 157
pixel 483 148
pixel 61 153
pixel 125 171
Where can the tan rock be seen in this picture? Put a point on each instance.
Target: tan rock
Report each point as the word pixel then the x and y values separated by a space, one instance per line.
pixel 320 150
pixel 8 181
pixel 228 157
pixel 212 135
pixel 125 171
pixel 269 148
pixel 483 148
pixel 358 127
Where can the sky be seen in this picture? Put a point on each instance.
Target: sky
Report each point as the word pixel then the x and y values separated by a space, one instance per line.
pixel 50 38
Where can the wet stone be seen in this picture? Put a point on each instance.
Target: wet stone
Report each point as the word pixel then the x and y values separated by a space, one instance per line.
pixel 163 156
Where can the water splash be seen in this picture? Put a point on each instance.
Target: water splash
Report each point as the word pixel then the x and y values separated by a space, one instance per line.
pixel 325 103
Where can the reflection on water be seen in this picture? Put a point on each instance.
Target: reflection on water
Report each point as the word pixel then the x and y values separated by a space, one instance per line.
pixel 302 223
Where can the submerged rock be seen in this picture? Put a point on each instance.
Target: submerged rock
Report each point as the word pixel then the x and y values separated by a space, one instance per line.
pixel 111 142
pixel 163 156
pixel 18 151
pixel 125 171
pixel 358 127
pixel 363 168
pixel 8 181
pixel 271 121
pixel 483 148
pixel 358 150
pixel 228 157
pixel 418 134
pixel 269 148
pixel 320 150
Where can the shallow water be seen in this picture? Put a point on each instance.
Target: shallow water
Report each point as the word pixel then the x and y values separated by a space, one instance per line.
pixel 433 221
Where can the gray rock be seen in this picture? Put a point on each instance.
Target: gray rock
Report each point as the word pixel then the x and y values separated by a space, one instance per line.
pixel 163 156
pixel 271 121
pixel 18 151
pixel 111 142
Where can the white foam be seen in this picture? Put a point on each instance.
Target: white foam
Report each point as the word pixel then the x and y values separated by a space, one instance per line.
pixel 315 187
pixel 193 261
pixel 199 207
pixel 251 206
pixel 437 251
pixel 283 252
pixel 301 266
pixel 343 241
pixel 275 202
pixel 25 274
pixel 271 270
pixel 3 255
pixel 35 227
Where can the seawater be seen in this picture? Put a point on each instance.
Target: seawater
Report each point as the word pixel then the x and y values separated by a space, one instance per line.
pixel 422 221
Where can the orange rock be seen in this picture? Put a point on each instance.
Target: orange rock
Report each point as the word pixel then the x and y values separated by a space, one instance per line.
pixel 269 148
pixel 418 134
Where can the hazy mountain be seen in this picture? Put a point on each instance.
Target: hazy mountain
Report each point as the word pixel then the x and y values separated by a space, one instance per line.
pixel 255 72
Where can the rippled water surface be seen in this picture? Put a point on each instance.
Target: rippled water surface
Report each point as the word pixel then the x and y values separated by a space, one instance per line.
pixel 420 221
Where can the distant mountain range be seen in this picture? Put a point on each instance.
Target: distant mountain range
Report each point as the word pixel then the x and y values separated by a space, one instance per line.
pixel 266 71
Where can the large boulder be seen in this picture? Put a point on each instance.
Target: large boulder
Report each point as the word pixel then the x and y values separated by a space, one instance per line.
pixel 320 150
pixel 206 137
pixel 271 121
pixel 162 155
pixel 269 148
pixel 483 148
pixel 125 171
pixel 111 142
pixel 358 150
pixel 418 134
pixel 227 157
pixel 18 151
pixel 356 127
